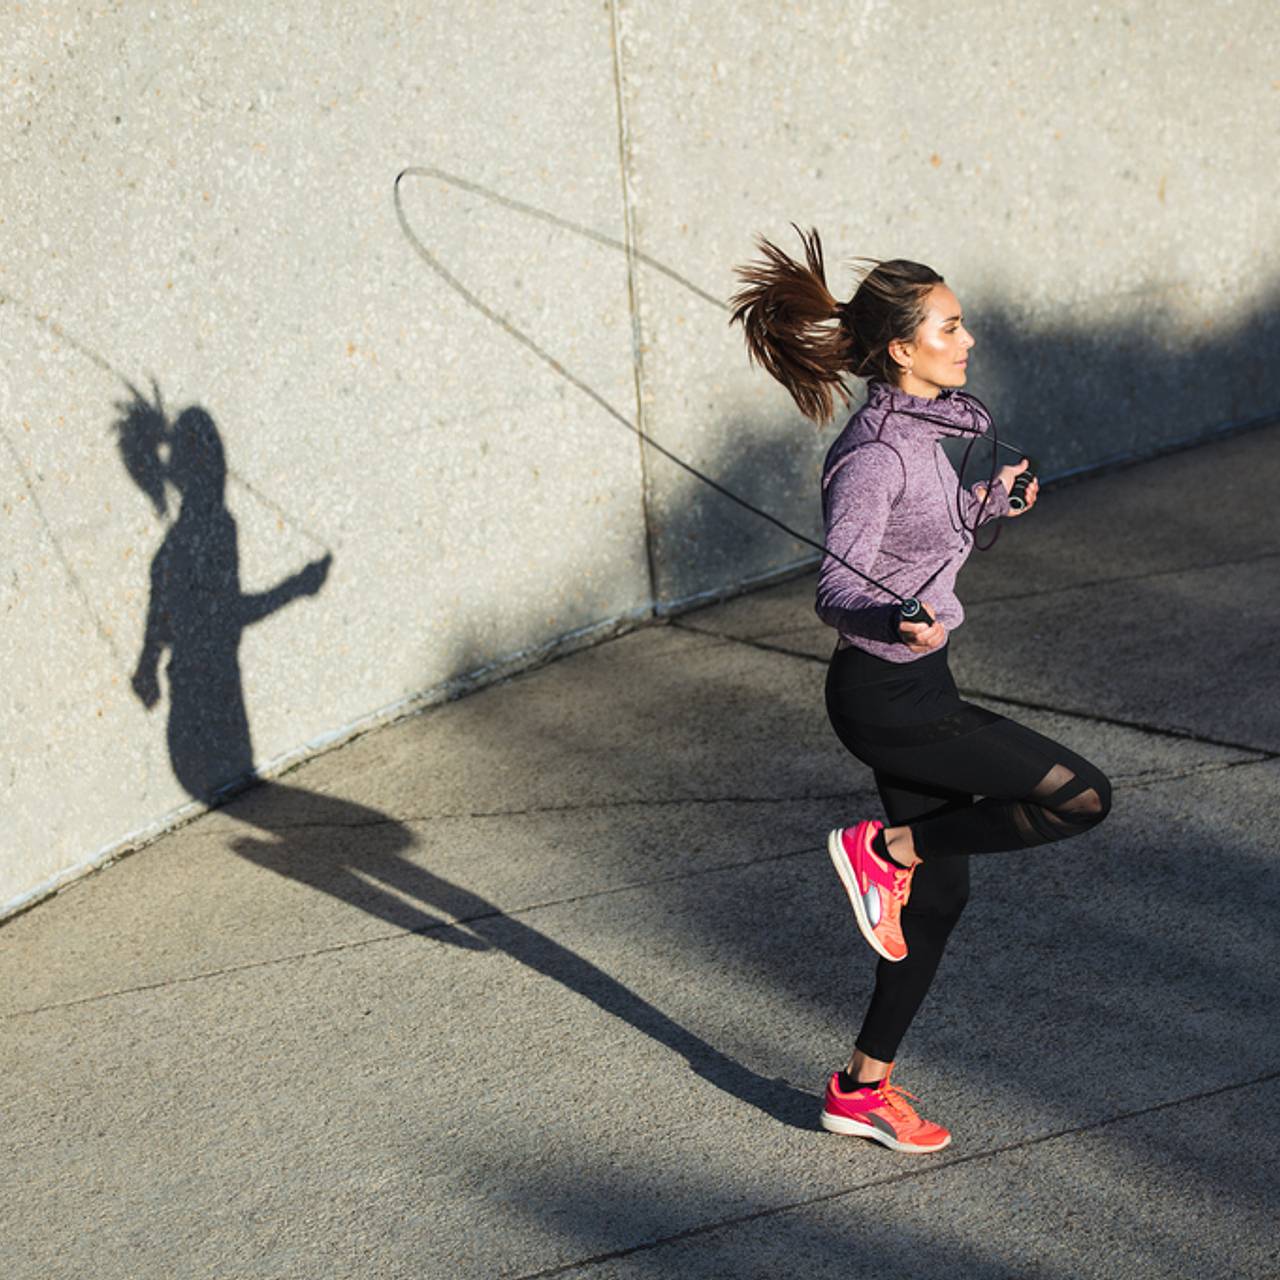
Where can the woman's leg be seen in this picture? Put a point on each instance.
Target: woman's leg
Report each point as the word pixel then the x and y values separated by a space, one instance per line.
pixel 883 1112
pixel 939 892
pixel 1034 791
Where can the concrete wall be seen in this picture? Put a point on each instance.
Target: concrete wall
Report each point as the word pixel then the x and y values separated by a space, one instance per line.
pixel 429 476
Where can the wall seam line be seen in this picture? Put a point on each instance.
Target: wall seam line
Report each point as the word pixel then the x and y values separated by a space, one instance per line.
pixel 633 300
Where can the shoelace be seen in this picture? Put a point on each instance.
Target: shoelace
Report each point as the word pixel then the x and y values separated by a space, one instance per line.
pixel 895 1098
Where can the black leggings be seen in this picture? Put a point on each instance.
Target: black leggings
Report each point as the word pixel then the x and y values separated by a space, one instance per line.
pixel 932 754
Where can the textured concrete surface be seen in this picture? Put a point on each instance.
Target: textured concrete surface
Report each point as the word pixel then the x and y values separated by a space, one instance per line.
pixel 204 197
pixel 429 476
pixel 1075 171
pixel 546 981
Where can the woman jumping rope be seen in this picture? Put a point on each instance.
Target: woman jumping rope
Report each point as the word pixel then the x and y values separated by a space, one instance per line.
pixel 954 778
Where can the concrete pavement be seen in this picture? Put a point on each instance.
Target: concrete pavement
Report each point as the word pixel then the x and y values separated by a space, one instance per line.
pixel 546 981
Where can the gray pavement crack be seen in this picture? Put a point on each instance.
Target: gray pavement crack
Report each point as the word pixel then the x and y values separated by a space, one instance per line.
pixel 1145 576
pixel 660 802
pixel 424 932
pixel 1094 717
pixel 1139 726
pixel 979 599
pixel 1134 781
pixel 747 642
pixel 533 811
pixel 1140 781
pixel 879 1184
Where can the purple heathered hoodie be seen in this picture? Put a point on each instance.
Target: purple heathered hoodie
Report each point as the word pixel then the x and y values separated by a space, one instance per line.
pixel 889 505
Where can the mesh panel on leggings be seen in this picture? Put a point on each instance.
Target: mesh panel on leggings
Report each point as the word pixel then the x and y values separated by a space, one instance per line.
pixel 1062 804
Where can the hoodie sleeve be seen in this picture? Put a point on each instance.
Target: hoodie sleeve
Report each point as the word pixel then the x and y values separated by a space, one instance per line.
pixel 857 502
pixel 997 504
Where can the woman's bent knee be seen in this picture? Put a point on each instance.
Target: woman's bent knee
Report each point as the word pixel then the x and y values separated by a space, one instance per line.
pixel 1098 797
pixel 1091 803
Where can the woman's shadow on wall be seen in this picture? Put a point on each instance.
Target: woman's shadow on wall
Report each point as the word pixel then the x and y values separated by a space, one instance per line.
pixel 197 613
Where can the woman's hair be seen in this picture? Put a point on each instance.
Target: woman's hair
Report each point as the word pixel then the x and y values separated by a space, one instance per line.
pixel 797 330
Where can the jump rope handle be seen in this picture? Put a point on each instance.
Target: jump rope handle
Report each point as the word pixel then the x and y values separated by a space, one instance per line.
pixel 913 611
pixel 1018 494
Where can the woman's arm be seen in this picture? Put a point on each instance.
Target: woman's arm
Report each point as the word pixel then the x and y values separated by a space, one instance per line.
pixel 971 501
pixel 158 635
pixel 998 504
pixel 306 582
pixel 859 498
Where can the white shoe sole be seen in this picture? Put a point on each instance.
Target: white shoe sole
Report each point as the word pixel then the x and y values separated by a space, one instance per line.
pixel 859 1129
pixel 840 860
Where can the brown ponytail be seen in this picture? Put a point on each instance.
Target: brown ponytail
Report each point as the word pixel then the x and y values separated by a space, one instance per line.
pixel 798 332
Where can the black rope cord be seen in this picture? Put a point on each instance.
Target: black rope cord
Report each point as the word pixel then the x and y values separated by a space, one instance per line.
pixel 548 359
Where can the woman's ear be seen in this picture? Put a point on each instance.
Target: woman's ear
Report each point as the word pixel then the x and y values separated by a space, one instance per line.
pixel 900 352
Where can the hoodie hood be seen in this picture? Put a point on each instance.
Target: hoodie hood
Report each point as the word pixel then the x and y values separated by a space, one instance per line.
pixel 951 413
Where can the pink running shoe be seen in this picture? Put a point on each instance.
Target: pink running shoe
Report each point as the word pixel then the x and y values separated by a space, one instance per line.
pixel 877 889
pixel 883 1115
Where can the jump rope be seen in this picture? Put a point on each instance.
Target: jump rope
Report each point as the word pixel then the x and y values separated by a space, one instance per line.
pixel 910 608
pixel 158 430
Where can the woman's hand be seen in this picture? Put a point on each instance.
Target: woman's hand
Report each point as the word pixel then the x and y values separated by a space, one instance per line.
pixel 1007 475
pixel 920 638
pixel 146 684
pixel 313 576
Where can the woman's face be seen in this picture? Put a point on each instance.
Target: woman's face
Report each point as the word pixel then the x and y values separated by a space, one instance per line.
pixel 938 354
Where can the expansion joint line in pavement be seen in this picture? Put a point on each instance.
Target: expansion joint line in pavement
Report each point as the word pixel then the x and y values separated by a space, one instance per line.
pixel 662 802
pixel 1140 781
pixel 1119 578
pixel 930 1170
pixel 762 645
pixel 534 811
pixel 1148 575
pixel 424 931
pixel 1092 717
pixel 1138 726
